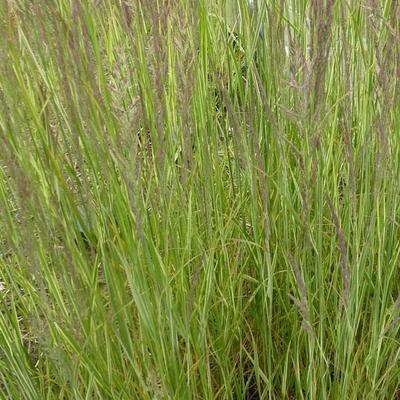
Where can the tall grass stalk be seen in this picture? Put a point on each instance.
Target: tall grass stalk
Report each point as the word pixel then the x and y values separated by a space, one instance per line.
pixel 199 199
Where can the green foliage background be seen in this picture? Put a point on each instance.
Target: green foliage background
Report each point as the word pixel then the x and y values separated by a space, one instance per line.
pixel 199 200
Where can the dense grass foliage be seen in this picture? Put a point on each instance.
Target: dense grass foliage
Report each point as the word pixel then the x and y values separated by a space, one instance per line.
pixel 199 199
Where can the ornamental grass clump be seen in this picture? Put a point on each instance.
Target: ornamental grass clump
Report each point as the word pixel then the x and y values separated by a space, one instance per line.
pixel 199 199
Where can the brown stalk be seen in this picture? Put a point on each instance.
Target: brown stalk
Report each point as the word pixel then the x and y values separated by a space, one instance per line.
pixel 321 17
pixel 302 304
pixel 388 62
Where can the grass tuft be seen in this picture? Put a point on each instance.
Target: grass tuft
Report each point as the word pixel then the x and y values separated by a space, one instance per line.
pixel 199 199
